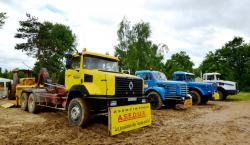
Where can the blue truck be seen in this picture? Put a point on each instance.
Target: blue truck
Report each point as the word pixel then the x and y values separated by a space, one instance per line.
pixel 161 91
pixel 201 92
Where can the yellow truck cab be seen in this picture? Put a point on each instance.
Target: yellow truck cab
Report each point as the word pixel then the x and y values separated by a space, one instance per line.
pixel 93 82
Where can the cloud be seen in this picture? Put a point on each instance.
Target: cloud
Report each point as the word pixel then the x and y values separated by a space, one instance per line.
pixel 199 26
pixel 53 9
pixel 194 26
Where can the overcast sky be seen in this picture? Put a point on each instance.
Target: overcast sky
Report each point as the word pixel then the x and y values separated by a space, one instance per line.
pixel 194 26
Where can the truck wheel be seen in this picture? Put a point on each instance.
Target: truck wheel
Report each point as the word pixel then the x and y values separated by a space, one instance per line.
pixel 154 100
pixel 24 101
pixel 32 105
pixel 78 112
pixel 205 100
pixel 196 97
pixel 222 95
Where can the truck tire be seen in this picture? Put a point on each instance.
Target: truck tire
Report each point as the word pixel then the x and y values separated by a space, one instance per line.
pixel 24 101
pixel 222 95
pixel 32 105
pixel 78 112
pixel 154 100
pixel 196 97
pixel 204 100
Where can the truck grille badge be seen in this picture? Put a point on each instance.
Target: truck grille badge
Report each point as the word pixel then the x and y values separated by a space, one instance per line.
pixel 131 85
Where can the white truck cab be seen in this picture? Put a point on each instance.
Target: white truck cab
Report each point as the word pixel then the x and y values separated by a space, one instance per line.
pixel 225 88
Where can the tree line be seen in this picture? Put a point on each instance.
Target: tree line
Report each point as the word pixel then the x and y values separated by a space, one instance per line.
pixel 137 52
pixel 49 42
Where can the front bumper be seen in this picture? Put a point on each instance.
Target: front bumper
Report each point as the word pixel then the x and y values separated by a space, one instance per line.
pixel 232 92
pixel 179 98
pixel 183 102
pixel 103 103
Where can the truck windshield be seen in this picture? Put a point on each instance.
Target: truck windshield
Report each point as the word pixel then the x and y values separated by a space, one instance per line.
pixel 190 77
pixel 210 77
pixel 159 76
pixel 100 64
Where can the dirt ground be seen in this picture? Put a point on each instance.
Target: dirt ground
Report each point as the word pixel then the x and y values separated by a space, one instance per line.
pixel 215 123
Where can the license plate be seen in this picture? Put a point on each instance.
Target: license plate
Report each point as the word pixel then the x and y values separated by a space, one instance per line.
pixel 216 96
pixel 188 103
pixel 132 99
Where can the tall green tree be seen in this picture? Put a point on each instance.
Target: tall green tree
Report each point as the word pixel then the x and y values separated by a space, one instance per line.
pixel 232 61
pixel 178 62
pixel 135 50
pixel 2 18
pixel 47 42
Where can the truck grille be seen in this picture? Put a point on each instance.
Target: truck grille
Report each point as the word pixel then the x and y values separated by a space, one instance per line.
pixel 172 90
pixel 184 90
pixel 128 87
pixel 177 91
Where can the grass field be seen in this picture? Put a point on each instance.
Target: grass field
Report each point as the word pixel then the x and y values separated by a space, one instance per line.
pixel 242 96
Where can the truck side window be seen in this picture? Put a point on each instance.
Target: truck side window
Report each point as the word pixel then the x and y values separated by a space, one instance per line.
pixel 210 77
pixel 180 77
pixel 146 77
pixel 76 62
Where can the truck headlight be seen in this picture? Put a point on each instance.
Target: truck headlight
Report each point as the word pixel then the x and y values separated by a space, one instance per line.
pixel 113 103
pixel 143 100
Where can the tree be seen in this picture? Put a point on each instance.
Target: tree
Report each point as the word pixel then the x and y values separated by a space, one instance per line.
pixel 232 61
pixel 6 74
pixel 135 50
pixel 2 18
pixel 47 42
pixel 178 62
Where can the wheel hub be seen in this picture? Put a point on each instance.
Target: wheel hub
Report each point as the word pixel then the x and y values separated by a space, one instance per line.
pixel 75 112
pixel 153 100
pixel 31 103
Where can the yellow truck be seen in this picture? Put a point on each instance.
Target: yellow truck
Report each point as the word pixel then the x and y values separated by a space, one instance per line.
pixel 93 84
pixel 18 84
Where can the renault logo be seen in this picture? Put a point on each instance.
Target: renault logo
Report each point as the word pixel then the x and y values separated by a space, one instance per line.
pixel 131 85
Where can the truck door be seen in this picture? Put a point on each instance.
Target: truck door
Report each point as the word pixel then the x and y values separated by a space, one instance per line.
pixel 93 79
pixel 72 73
pixel 148 82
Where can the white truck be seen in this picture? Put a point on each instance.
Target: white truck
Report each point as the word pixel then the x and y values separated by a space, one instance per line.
pixel 225 88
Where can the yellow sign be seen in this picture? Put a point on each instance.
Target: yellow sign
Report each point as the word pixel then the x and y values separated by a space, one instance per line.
pixel 188 103
pixel 126 118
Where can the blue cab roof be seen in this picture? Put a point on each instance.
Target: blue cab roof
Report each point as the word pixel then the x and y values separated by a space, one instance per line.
pixel 146 71
pixel 182 72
